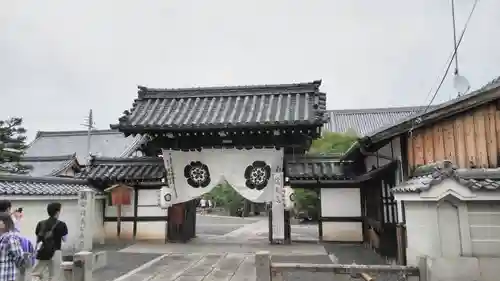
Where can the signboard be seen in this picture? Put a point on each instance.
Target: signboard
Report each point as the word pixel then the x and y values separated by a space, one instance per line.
pixel 278 207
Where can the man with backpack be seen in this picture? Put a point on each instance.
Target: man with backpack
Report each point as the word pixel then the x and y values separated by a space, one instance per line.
pixel 49 236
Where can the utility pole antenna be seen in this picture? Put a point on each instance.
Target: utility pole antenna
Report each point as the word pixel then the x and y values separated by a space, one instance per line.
pixel 89 124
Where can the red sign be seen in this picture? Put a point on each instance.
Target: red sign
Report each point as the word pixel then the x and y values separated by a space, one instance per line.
pixel 121 195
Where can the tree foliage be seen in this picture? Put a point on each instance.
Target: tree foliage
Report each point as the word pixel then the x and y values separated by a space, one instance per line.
pixel 332 143
pixel 226 197
pixel 12 146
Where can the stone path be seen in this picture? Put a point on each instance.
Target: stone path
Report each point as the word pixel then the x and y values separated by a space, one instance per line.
pixel 227 245
pixel 198 267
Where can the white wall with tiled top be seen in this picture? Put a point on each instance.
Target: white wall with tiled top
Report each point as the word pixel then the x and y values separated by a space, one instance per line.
pixel 36 210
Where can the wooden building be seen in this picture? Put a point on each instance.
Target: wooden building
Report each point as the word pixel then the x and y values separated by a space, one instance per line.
pixel 464 131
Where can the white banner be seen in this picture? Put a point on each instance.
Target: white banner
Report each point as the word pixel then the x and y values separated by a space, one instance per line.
pixel 249 171
pixel 195 173
pixel 166 197
pixel 278 207
pixel 289 198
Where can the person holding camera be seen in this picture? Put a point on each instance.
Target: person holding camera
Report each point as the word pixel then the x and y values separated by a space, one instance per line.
pixel 11 253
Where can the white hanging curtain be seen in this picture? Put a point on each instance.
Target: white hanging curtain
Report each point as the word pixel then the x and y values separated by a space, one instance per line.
pixel 247 171
pixel 194 173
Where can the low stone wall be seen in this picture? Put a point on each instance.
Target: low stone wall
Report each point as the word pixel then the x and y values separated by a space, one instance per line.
pixel 463 269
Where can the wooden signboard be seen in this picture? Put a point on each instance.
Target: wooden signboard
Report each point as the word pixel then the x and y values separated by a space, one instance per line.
pixel 120 195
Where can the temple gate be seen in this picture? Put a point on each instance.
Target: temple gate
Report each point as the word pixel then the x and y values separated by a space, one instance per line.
pixel 240 135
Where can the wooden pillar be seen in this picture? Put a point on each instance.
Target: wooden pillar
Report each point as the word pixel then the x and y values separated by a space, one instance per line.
pixel 270 220
pixel 136 210
pixel 320 221
pixel 288 228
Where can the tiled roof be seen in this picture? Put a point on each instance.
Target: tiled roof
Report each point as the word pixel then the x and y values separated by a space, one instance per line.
pixel 49 165
pixel 108 143
pixel 433 174
pixel 365 121
pixel 47 186
pixel 222 107
pixel 312 168
pixel 124 169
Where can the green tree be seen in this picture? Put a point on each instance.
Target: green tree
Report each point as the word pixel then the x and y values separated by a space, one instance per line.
pixel 12 146
pixel 226 197
pixel 332 143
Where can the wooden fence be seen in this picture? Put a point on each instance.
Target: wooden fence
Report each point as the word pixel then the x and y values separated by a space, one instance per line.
pixel 267 270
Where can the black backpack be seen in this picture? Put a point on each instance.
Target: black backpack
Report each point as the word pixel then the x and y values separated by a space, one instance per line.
pixel 48 248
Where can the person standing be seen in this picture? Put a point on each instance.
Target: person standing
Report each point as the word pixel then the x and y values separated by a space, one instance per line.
pixel 11 253
pixel 49 236
pixel 203 203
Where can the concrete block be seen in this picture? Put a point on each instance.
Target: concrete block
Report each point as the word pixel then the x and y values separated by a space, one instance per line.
pixel 453 269
pixel 82 266
pixel 490 269
pixel 100 260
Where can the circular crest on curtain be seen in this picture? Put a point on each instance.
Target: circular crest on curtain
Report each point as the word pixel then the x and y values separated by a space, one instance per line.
pixel 197 174
pixel 257 175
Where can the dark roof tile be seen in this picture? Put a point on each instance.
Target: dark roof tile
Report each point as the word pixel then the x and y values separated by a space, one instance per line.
pixel 433 174
pixel 364 121
pixel 220 107
pixel 49 165
pixel 124 169
pixel 313 168
pixel 108 143
pixel 46 186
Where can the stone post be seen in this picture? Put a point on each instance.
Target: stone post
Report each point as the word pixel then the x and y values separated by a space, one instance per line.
pixel 82 266
pixel 86 203
pixel 278 208
pixel 25 272
pixel 263 266
pixel 67 270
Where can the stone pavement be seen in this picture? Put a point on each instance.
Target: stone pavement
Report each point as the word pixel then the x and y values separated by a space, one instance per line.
pixel 227 245
pixel 198 267
pixel 219 267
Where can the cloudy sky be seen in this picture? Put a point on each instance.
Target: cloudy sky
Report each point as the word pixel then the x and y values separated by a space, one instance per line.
pixel 58 59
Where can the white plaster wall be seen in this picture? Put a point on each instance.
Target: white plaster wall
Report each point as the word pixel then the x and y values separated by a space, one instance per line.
pixel 36 210
pixel 341 202
pixel 147 206
pixel 422 231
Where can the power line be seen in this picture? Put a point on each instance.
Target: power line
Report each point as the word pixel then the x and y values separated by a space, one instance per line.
pixel 454 35
pixel 453 56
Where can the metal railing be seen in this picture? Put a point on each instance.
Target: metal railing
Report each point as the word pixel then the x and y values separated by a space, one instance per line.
pixel 266 270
